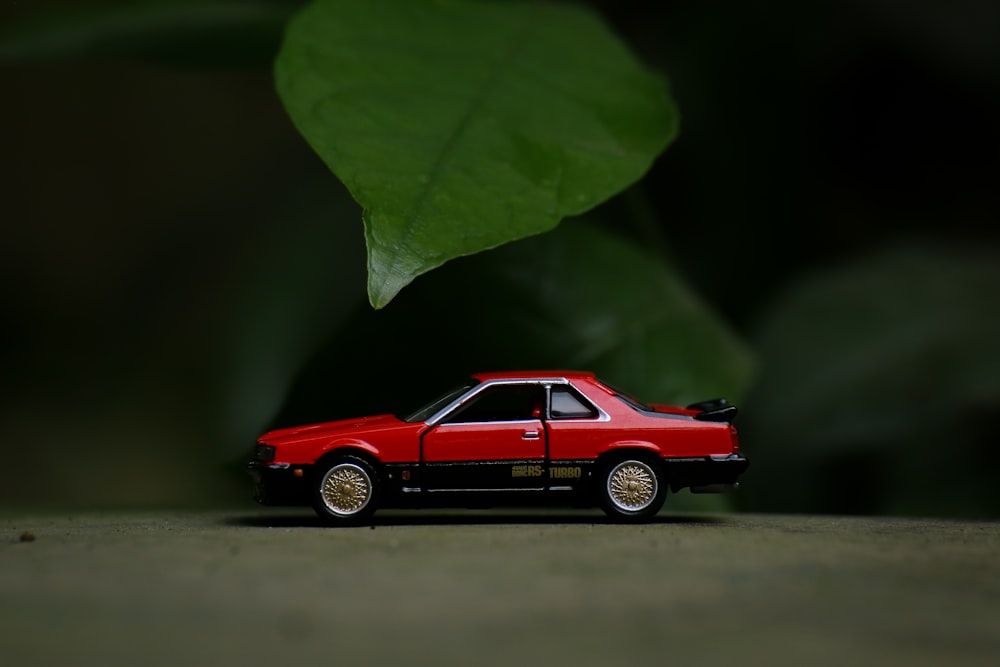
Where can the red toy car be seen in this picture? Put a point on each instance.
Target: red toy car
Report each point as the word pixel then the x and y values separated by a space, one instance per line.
pixel 537 438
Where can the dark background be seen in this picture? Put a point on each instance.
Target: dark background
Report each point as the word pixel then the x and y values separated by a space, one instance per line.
pixel 177 263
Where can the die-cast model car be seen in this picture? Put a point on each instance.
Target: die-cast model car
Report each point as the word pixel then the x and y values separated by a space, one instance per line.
pixel 504 439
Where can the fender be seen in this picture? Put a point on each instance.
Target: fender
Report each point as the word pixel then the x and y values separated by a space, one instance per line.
pixel 350 443
pixel 631 444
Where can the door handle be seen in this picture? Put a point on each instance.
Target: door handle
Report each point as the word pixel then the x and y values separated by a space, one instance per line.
pixel 531 435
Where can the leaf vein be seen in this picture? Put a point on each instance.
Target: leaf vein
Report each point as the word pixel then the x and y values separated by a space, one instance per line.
pixel 447 150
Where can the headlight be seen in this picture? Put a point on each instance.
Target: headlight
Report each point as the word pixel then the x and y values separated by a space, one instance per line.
pixel 264 453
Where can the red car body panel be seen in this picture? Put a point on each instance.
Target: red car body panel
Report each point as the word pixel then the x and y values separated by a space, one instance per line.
pixel 384 436
pixel 484 442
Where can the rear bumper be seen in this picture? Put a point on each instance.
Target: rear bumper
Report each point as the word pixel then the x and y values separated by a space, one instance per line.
pixel 709 474
pixel 279 484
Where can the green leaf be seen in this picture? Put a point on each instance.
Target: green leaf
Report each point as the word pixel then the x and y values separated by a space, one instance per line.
pixel 460 126
pixel 880 388
pixel 206 32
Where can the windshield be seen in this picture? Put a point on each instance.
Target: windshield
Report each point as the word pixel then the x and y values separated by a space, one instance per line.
pixel 426 412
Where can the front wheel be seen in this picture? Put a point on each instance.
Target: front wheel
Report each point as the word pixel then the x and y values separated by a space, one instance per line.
pixel 345 491
pixel 632 489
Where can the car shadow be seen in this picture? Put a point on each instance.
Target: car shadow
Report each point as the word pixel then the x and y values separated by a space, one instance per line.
pixel 465 518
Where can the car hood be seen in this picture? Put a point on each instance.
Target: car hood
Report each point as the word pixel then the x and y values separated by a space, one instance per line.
pixel 339 427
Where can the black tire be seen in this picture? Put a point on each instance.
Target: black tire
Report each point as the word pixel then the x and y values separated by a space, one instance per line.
pixel 632 488
pixel 345 491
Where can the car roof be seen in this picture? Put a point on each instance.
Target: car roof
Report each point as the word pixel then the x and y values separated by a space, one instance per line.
pixel 532 375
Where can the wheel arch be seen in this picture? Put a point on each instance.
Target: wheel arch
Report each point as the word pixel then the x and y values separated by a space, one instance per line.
pixel 624 448
pixel 357 448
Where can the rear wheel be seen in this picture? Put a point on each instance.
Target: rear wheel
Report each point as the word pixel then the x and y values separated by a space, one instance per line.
pixel 632 488
pixel 345 491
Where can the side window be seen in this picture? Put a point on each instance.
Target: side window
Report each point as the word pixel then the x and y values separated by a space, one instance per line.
pixel 568 404
pixel 502 403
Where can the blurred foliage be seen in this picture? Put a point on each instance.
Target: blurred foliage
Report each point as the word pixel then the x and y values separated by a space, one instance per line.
pixel 185 273
pixel 180 32
pixel 882 387
pixel 462 126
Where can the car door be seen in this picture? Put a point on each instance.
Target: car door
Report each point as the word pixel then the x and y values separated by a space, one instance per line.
pixel 493 442
pixel 575 431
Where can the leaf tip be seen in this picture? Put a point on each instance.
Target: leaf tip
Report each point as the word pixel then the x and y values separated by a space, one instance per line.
pixel 377 297
pixel 386 276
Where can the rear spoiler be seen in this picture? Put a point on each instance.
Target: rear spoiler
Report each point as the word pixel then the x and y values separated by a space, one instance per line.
pixel 714 404
pixel 717 410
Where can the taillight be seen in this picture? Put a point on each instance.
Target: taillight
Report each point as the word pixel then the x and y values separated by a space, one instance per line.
pixel 735 438
pixel 264 453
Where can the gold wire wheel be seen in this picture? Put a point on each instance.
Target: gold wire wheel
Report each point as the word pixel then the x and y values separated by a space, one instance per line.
pixel 346 489
pixel 632 486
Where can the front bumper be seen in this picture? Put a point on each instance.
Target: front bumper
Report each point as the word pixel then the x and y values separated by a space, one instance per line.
pixel 279 483
pixel 709 474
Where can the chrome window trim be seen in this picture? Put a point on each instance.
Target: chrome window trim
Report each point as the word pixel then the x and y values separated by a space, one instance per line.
pixel 602 416
pixel 482 386
pixel 443 413
pixel 514 421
